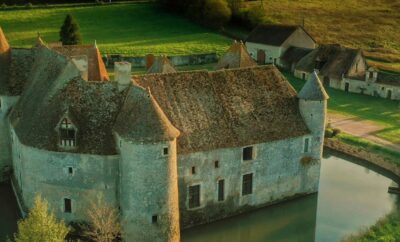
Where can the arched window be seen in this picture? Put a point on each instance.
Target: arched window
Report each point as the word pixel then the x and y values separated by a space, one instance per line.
pixel 67 133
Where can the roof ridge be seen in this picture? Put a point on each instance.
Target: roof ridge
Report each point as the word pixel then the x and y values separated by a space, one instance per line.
pixel 313 89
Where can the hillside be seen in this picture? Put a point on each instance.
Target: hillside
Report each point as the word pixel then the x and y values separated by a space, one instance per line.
pixel 133 29
pixel 373 25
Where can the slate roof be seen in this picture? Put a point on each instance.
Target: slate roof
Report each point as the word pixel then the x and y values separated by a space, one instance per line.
pixel 142 120
pixel 236 57
pixel 161 64
pixel 313 90
pixel 227 108
pixel 295 54
pixel 337 60
pixel 96 67
pixel 388 78
pixel 274 35
pixel 55 87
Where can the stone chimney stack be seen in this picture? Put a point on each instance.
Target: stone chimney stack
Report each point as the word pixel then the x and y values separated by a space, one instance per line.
pixel 81 63
pixel 149 61
pixel 122 72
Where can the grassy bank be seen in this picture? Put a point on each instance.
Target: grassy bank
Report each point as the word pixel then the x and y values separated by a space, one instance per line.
pixel 382 111
pixel 370 147
pixel 131 29
pixel 371 25
pixel 385 230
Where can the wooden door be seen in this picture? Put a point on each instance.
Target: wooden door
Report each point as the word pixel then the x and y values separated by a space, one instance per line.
pixel 261 57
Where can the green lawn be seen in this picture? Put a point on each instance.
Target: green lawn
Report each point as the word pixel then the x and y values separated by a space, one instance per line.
pixel 131 29
pixel 380 110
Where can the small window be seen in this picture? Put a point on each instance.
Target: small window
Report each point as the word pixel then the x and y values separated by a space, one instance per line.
pixel 383 88
pixel 67 205
pixel 216 164
pixel 154 219
pixel 247 185
pixel 221 188
pixel 371 75
pixel 303 76
pixel 165 151
pixel 248 153
pixel 193 170
pixel 120 143
pixel 70 170
pixel 194 196
pixel 306 147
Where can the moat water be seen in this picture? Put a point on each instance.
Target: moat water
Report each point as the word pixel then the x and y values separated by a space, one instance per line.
pixel 352 196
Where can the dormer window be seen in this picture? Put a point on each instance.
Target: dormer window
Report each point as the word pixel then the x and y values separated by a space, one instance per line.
pixel 67 133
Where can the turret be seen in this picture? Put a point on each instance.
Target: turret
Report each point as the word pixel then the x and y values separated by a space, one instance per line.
pixel 148 170
pixel 313 108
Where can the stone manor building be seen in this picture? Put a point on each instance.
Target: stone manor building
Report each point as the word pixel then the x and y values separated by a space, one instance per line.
pixel 169 150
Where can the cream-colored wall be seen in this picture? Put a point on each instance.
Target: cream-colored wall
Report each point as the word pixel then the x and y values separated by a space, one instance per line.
pixel 299 39
pixel 271 52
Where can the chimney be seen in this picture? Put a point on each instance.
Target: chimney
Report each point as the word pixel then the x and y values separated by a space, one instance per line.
pixel 149 61
pixel 122 72
pixel 81 62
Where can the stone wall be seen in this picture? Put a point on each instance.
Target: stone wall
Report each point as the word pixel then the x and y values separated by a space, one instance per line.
pixel 6 102
pixel 278 174
pixel 47 173
pixel 371 88
pixel 140 61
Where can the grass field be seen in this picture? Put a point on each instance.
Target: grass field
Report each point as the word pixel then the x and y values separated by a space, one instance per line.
pixel 383 111
pixel 134 29
pixel 368 24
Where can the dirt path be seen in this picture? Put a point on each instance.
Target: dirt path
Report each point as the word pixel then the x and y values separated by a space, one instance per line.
pixel 360 128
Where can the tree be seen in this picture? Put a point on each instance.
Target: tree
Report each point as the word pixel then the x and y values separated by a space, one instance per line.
pixel 40 225
pixel 69 33
pixel 104 223
pixel 216 13
pixel 235 6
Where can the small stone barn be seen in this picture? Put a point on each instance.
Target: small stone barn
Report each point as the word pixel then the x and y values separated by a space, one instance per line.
pixel 236 57
pixel 268 43
pixel 333 63
pixel 375 83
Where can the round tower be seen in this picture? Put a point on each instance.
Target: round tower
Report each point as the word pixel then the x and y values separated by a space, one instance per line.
pixel 148 170
pixel 313 109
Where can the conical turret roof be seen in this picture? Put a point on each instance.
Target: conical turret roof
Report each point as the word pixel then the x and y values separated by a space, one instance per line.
pixel 142 120
pixel 313 89
pixel 161 65
pixel 236 57
pixel 4 46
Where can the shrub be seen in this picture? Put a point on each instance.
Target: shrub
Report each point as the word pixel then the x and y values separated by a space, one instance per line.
pixel 336 131
pixel 256 16
pixel 216 13
pixel 3 6
pixel 328 133
pixel 29 5
pixel 307 160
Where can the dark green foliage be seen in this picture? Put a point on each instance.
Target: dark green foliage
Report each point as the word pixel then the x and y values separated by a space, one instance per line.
pixel 213 13
pixel 69 33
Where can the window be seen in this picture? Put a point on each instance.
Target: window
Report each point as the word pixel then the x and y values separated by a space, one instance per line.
pixel 194 196
pixel 193 170
pixel 67 133
pixel 165 151
pixel 303 76
pixel 371 75
pixel 221 187
pixel 70 170
pixel 248 153
pixel 67 205
pixel 216 164
pixel 306 147
pixel 154 219
pixel 247 185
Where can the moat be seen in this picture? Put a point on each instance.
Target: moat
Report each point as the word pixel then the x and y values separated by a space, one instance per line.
pixel 352 195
